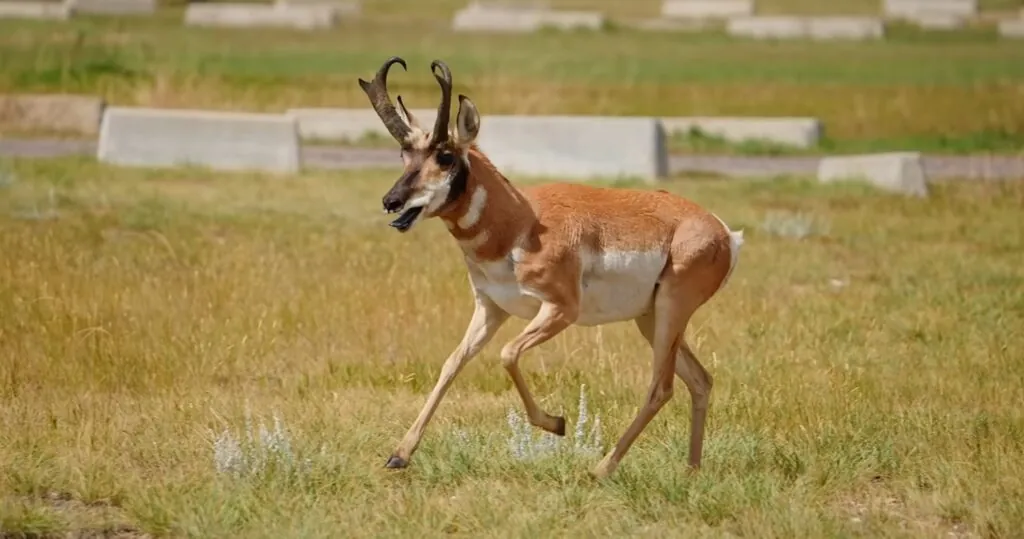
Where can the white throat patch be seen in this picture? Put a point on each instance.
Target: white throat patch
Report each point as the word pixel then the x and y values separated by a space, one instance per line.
pixel 476 207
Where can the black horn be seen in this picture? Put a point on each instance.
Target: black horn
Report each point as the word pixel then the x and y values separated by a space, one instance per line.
pixel 445 108
pixel 377 91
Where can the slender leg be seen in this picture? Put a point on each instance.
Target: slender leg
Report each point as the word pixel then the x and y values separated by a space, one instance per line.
pixel 550 320
pixel 697 381
pixel 487 318
pixel 665 343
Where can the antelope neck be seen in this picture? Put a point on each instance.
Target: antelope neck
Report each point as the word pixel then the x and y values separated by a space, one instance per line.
pixel 491 215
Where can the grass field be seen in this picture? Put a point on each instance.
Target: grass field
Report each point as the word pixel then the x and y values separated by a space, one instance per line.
pixel 868 377
pixel 956 93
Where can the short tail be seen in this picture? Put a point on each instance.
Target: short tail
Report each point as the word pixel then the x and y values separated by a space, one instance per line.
pixel 735 243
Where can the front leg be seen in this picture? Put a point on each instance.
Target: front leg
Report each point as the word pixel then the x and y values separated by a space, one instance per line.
pixel 487 318
pixel 550 320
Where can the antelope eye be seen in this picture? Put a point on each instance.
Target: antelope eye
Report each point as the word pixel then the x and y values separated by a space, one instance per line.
pixel 445 159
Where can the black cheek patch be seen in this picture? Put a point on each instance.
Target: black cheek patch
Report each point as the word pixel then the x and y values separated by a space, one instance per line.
pixel 459 183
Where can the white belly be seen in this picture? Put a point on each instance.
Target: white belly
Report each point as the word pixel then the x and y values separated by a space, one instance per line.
pixel 615 286
pixel 618 285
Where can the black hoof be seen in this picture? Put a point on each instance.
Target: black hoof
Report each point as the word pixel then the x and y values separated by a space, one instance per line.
pixel 560 426
pixel 396 462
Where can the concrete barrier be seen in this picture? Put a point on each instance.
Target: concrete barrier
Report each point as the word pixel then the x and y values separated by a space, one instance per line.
pixel 899 172
pixel 1012 29
pixel 347 124
pixel 907 9
pixel 819 28
pixel 766 27
pixel 242 15
pixel 797 132
pixel 342 8
pixel 329 124
pixel 707 9
pixel 218 140
pixel 856 28
pixel 113 7
pixel 35 10
pixel 52 113
pixel 576 147
pixel 512 18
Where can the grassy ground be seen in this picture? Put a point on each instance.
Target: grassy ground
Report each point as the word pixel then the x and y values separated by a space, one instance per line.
pixel 957 93
pixel 867 375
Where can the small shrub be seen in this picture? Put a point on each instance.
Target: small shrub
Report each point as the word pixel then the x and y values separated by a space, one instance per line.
pixel 259 450
pixel 792 225
pixel 523 444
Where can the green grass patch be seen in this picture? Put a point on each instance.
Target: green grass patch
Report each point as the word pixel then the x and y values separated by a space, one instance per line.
pixel 944 91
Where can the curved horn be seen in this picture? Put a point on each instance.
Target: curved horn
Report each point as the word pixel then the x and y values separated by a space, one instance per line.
pixel 445 108
pixel 377 91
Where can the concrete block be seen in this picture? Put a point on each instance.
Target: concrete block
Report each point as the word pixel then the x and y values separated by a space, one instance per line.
pixel 820 28
pixel 843 27
pixel 113 7
pixel 35 10
pixel 522 18
pixel 512 5
pixel 243 15
pixel 218 140
pixel 342 8
pixel 797 132
pixel 484 20
pixel 767 27
pixel 1012 29
pixel 575 147
pixel 347 124
pixel 573 20
pixel 707 9
pixel 899 172
pixel 907 9
pixel 52 113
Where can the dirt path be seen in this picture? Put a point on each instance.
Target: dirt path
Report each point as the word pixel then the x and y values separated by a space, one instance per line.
pixel 937 167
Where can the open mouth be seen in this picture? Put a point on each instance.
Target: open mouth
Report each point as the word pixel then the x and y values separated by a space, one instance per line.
pixel 407 218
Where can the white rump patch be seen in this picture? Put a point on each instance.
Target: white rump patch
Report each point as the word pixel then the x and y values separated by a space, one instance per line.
pixel 735 242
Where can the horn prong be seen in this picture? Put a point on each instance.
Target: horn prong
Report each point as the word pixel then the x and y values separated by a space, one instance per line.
pixel 444 109
pixel 377 92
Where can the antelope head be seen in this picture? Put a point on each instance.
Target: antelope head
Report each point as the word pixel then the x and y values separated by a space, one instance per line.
pixel 436 166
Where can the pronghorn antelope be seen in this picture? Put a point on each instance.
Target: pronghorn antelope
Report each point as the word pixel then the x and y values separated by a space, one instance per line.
pixel 556 255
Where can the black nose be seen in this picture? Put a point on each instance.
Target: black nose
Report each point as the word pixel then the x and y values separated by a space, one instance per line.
pixel 392 202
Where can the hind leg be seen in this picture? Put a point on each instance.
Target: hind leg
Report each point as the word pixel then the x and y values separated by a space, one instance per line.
pixel 697 380
pixel 665 342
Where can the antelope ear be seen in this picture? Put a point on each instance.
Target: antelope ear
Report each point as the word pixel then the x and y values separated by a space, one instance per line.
pixel 406 115
pixel 468 121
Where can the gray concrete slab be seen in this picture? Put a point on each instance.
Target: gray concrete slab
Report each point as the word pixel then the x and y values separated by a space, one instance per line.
pixel 899 172
pixel 35 10
pixel 245 15
pixel 706 9
pixel 218 140
pixel 936 167
pixel 578 147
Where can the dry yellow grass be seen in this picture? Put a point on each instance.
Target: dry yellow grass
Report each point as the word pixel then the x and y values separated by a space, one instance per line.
pixel 139 311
